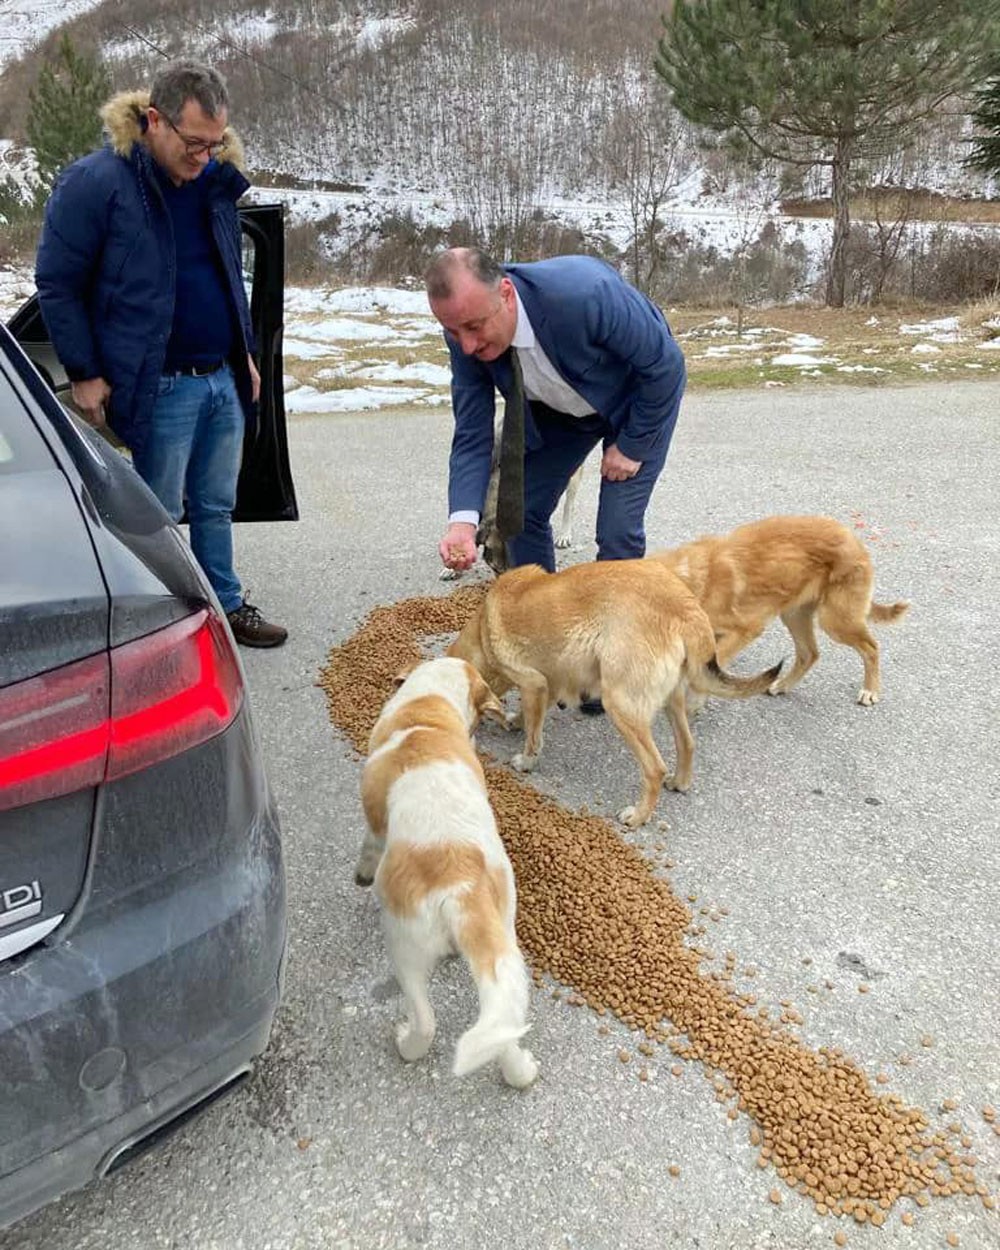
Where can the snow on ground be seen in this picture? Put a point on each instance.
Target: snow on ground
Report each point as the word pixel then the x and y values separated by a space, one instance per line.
pixel 16 286
pixel 357 399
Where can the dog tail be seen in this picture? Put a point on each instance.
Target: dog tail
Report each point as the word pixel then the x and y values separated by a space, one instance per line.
pixel 503 1006
pixel 709 678
pixel 886 613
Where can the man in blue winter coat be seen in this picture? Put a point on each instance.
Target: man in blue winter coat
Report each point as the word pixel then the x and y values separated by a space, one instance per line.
pixel 140 282
pixel 586 358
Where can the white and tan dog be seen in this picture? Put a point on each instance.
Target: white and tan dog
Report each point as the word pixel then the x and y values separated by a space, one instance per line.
pixel 440 870
pixel 627 631
pixel 801 568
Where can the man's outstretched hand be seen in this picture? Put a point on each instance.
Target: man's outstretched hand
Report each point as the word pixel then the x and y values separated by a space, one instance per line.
pixel 458 547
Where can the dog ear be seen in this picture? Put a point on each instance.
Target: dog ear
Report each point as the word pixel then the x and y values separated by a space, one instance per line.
pixel 403 673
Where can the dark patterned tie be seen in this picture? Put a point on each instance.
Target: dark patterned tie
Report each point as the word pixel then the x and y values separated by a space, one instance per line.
pixel 510 490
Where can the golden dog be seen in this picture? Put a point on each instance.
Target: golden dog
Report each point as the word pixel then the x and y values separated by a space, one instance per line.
pixel 627 631
pixel 801 568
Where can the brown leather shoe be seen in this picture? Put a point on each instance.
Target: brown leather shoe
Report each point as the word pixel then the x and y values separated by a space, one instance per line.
pixel 251 630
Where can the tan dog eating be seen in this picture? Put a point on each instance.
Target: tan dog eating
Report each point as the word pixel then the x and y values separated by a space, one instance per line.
pixel 627 631
pixel 801 568
pixel 440 870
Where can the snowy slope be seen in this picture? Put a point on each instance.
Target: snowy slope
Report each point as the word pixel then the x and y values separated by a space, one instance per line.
pixel 25 22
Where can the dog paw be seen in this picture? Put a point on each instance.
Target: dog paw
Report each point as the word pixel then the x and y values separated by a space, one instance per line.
pixel 631 817
pixel 362 878
pixel 523 763
pixel 448 575
pixel 776 687
pixel 520 1069
pixel 868 698
pixel 563 541
pixel 410 1044
pixel 514 720
pixel 672 783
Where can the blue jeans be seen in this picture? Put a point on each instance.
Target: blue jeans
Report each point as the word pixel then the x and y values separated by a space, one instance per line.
pixel 191 454
pixel 621 509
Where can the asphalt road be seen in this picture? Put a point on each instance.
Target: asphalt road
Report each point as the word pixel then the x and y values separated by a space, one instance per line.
pixel 854 838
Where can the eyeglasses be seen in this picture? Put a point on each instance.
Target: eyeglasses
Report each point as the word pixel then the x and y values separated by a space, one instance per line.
pixel 194 147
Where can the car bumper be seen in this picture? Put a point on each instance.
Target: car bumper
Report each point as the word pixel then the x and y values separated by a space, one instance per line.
pixel 127 1027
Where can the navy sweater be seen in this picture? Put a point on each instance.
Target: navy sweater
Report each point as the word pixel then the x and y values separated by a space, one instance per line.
pixel 203 326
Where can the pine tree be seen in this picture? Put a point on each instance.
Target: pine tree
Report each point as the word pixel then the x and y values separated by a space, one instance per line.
pixel 985 150
pixel 824 82
pixel 64 122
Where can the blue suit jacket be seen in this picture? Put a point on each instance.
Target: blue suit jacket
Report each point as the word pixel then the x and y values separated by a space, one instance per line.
pixel 610 343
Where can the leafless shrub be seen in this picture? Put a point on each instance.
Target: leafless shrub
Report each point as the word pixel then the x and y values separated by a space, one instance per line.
pixel 306 256
pixel 950 265
pixel 768 271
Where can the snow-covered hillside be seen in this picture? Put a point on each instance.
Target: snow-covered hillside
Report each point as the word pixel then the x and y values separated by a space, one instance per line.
pixel 375 121
pixel 24 22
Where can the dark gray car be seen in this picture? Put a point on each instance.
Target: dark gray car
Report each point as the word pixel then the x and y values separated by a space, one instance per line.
pixel 142 906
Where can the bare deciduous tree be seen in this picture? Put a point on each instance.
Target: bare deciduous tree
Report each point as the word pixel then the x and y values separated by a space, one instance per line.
pixel 646 154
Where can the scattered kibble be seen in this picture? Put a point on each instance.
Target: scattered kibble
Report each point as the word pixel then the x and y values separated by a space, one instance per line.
pixel 775 1196
pixel 674 1170
pixel 624 1056
pixel 927 1040
pixel 863 988
pixel 907 1218
pixel 840 1238
pixel 952 1239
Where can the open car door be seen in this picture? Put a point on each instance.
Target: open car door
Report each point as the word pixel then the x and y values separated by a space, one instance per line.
pixel 265 491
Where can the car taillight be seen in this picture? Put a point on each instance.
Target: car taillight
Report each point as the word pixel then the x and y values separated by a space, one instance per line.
pixel 113 714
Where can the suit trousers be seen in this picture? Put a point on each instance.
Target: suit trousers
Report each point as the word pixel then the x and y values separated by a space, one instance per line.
pixel 621 512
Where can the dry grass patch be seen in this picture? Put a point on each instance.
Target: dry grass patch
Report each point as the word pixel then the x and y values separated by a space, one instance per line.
pixel 853 346
pixel 892 204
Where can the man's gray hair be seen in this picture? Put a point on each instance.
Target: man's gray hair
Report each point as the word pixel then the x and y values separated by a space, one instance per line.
pixel 439 277
pixel 181 81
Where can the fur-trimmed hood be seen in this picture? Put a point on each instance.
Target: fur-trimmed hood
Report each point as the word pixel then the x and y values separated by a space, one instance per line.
pixel 122 117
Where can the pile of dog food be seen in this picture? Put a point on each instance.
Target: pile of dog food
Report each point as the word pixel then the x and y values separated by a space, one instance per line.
pixel 593 914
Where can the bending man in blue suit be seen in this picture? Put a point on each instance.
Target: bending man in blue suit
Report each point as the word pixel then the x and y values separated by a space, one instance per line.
pixel 599 364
